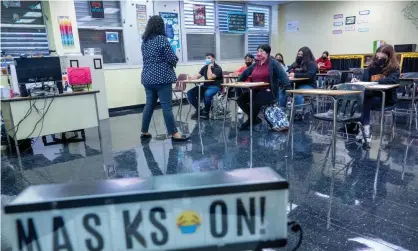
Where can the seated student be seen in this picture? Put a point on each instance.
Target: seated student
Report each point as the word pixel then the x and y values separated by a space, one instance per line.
pixel 266 70
pixel 279 57
pixel 211 71
pixel 384 69
pixel 303 67
pixel 324 64
pixel 249 60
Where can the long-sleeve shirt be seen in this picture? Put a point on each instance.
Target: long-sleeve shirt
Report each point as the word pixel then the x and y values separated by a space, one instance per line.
pixel 159 62
pixel 309 71
pixel 327 64
pixel 374 74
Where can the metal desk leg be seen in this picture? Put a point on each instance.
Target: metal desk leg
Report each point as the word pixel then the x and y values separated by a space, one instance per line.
pixel 98 123
pixel 251 112
pixel 412 104
pixel 334 133
pixel 15 140
pixel 382 119
pixel 226 105
pixel 289 133
pixel 198 110
pixel 236 119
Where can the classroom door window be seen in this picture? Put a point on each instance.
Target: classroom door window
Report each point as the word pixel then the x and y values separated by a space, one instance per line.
pixel 111 46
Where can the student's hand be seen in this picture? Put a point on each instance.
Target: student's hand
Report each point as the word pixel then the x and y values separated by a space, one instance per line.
pixel 292 75
pixel 354 80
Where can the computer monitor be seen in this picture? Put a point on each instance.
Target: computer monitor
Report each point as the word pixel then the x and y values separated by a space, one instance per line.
pixel 30 70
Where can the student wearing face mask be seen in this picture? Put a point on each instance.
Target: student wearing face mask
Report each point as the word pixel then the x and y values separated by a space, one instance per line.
pixel 249 60
pixel 279 57
pixel 324 64
pixel 384 69
pixel 211 71
pixel 303 67
pixel 266 70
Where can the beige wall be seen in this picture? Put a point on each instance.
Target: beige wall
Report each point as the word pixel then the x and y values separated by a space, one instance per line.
pixel 124 86
pixel 385 22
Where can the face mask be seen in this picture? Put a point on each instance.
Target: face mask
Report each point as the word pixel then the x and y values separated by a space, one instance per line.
pixel 261 56
pixel 248 64
pixel 299 59
pixel 208 61
pixel 280 60
pixel 324 57
pixel 380 62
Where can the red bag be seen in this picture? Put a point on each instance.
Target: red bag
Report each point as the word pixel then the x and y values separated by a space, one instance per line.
pixel 79 75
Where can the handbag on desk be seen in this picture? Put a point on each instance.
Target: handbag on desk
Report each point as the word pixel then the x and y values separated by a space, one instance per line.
pixel 79 75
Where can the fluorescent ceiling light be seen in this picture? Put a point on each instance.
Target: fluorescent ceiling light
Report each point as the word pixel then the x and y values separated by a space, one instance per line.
pixel 111 10
pixel 25 21
pixel 33 14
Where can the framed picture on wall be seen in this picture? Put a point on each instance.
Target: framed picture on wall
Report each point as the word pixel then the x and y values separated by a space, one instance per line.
pixel 350 20
pixel 258 19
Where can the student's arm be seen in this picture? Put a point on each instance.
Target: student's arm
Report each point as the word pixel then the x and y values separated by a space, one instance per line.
pixel 391 79
pixel 213 74
pixel 328 65
pixel 282 75
pixel 310 73
pixel 172 59
pixel 199 75
pixel 245 74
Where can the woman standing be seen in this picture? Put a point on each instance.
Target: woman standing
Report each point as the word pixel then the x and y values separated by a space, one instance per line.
pixel 158 75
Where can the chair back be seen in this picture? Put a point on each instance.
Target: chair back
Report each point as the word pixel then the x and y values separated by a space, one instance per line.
pixel 356 73
pixel 348 105
pixel 333 78
pixel 225 73
pixel 180 85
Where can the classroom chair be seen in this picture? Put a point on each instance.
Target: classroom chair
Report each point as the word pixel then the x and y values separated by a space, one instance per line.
pixel 356 73
pixel 180 87
pixel 405 94
pixel 349 108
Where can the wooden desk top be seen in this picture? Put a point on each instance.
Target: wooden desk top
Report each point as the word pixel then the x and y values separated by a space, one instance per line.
pixel 298 79
pixel 323 92
pixel 246 84
pixel 15 99
pixel 227 76
pixel 196 81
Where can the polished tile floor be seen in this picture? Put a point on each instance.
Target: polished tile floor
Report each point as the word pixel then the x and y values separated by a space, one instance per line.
pixel 369 202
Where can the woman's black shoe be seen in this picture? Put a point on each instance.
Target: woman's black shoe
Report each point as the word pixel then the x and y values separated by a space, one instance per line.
pixel 146 137
pixel 182 139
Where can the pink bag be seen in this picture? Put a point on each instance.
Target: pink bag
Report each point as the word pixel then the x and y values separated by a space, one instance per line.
pixel 79 75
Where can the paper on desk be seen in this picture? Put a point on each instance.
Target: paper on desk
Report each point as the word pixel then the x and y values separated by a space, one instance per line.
pixel 365 83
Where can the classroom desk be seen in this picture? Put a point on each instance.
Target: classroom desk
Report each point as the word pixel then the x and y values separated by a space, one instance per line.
pixel 415 82
pixel 198 83
pixel 62 113
pixel 245 85
pixel 320 92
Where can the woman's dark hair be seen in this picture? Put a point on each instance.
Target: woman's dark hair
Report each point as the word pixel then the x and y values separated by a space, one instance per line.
pixel 326 53
pixel 265 47
pixel 306 58
pixel 279 54
pixel 155 27
pixel 391 64
pixel 249 55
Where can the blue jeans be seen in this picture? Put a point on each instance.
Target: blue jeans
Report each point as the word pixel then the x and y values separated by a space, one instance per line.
pixel 299 100
pixel 164 93
pixel 206 91
pixel 370 103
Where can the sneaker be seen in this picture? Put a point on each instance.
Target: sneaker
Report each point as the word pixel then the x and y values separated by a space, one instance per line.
pixel 298 116
pixel 239 111
pixel 204 115
pixel 368 133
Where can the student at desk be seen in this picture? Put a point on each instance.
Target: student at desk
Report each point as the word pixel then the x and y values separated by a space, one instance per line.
pixel 279 57
pixel 266 70
pixel 303 67
pixel 324 64
pixel 211 71
pixel 384 69
pixel 249 60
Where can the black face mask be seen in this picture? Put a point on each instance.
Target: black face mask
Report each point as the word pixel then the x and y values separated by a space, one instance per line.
pixel 248 64
pixel 381 62
pixel 324 57
pixel 299 59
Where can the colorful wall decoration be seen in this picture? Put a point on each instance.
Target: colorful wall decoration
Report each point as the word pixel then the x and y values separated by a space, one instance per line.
pixel 172 29
pixel 199 14
pixel 66 31
pixel 141 18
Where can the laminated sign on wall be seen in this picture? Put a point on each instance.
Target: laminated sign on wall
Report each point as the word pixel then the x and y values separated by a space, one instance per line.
pixel 172 29
pixel 292 26
pixel 141 18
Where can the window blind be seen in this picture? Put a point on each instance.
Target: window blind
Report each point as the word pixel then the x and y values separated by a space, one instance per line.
pixel 223 9
pixel 112 15
pixel 255 40
pixel 23 29
pixel 189 16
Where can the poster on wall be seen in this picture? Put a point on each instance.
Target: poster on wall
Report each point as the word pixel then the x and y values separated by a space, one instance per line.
pixel 363 29
pixel 237 22
pixel 338 16
pixel 292 26
pixel 66 31
pixel 172 29
pixel 112 37
pixel 350 20
pixel 364 12
pixel 258 19
pixel 335 32
pixel 362 21
pixel 141 18
pixel 96 9
pixel 199 14
pixel 338 23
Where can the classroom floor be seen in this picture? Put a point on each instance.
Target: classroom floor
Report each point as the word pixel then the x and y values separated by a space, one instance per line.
pixel 359 206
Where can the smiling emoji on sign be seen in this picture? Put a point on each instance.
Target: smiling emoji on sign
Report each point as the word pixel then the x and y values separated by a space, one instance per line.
pixel 188 222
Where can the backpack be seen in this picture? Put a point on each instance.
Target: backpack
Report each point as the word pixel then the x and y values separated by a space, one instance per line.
pixel 276 118
pixel 218 106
